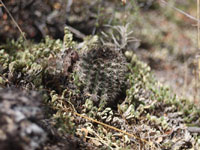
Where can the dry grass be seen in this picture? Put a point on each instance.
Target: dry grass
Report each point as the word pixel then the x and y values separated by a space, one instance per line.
pixel 18 27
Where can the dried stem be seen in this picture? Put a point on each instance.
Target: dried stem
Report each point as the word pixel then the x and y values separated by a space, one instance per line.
pixel 13 19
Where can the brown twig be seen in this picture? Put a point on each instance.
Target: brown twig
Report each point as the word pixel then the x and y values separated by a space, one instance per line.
pixel 198 25
pixel 179 10
pixel 76 32
pixel 198 38
pixel 13 19
pixel 64 108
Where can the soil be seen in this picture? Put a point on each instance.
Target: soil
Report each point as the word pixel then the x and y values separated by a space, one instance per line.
pixel 174 62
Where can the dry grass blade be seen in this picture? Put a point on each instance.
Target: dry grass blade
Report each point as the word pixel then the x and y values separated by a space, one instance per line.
pixel 13 19
pixel 198 25
pixel 198 42
pixel 103 124
pixel 180 11
pixel 114 128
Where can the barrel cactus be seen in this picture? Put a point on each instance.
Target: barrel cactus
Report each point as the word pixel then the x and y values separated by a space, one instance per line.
pixel 102 74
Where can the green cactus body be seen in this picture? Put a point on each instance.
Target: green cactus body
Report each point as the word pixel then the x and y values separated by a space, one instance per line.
pixel 102 72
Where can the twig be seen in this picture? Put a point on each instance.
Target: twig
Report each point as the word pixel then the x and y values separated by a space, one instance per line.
pixel 103 124
pixel 180 11
pixel 198 38
pixel 13 19
pixel 111 127
pixel 198 25
pixel 76 32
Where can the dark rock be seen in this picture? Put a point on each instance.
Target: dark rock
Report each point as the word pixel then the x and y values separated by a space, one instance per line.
pixel 20 113
pixel 23 125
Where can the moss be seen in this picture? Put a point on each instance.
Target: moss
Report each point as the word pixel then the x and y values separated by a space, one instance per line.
pixel 42 67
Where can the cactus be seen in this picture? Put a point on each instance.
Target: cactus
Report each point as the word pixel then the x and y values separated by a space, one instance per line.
pixel 102 72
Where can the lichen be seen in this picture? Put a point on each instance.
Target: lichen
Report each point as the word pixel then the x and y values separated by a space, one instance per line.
pixel 99 82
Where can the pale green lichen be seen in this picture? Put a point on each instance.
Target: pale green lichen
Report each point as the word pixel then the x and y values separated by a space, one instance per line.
pixel 68 39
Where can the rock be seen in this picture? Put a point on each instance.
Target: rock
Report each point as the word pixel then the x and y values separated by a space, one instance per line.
pixel 19 118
